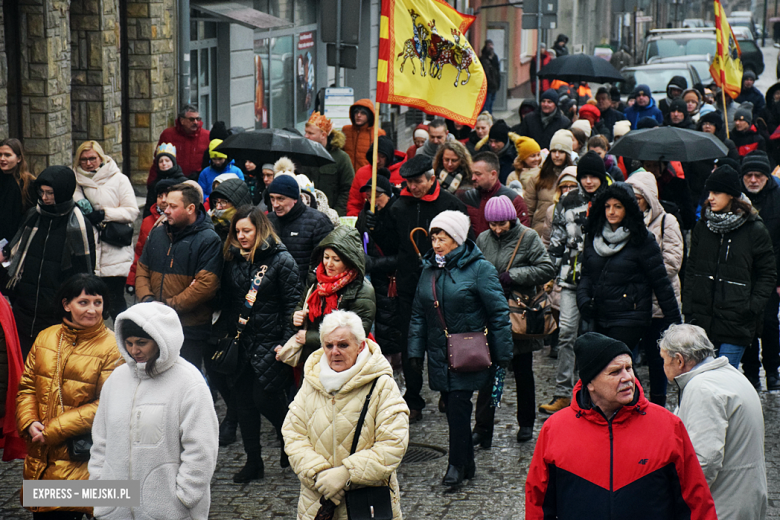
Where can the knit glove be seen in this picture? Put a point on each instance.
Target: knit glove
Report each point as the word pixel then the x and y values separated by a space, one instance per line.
pixel 96 217
pixel 506 281
pixel 331 481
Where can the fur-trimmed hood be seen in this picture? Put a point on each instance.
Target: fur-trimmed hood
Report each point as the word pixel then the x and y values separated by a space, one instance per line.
pixel 336 139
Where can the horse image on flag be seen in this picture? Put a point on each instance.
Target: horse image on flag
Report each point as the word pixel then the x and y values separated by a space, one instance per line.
pixel 439 50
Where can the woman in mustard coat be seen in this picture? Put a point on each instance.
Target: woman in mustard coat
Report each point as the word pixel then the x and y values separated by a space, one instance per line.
pixel 59 390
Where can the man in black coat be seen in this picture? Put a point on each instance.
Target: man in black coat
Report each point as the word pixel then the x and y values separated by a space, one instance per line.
pixel 745 135
pixel 609 116
pixel 299 227
pixel 750 93
pixel 420 201
pixel 762 190
pixel 678 117
pixel 545 121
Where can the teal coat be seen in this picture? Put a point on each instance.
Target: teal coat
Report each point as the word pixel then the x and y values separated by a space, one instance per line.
pixel 471 298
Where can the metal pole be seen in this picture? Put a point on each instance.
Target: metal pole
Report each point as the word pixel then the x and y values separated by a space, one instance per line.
pixel 763 30
pixel 338 42
pixel 538 49
pixel 184 52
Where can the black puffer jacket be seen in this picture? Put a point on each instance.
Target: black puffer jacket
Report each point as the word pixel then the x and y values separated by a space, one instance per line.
pixel 174 174
pixel 381 264
pixel 728 280
pixel 234 190
pixel 767 203
pixel 269 322
pixel 532 127
pixel 301 229
pixel 410 213
pixel 357 296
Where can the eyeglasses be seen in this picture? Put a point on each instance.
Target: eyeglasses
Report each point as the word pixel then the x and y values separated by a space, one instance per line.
pixel 89 159
pixel 222 203
pixel 45 193
pixel 194 119
pixel 565 189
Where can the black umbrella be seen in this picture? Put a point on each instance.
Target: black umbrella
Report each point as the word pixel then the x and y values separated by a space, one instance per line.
pixel 666 143
pixel 268 145
pixel 573 68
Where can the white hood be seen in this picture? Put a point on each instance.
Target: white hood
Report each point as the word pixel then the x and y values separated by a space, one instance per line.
pixel 162 324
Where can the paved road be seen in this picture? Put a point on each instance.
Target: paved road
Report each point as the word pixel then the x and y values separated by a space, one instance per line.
pixel 496 493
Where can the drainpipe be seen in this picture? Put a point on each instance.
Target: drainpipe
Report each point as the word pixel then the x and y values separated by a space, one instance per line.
pixel 184 52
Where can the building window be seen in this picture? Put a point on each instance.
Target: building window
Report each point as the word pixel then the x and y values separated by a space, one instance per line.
pixel 282 84
pixel 203 72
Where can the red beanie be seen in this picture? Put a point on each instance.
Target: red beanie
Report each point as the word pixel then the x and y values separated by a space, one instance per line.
pixel 591 113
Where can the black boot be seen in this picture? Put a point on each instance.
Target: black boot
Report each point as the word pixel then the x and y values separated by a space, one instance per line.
pixel 660 400
pixel 482 439
pixel 227 432
pixel 454 475
pixel 252 470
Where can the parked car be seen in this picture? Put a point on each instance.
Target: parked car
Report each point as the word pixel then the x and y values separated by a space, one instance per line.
pixel 670 43
pixel 752 57
pixel 693 23
pixel 744 19
pixel 656 76
pixel 700 62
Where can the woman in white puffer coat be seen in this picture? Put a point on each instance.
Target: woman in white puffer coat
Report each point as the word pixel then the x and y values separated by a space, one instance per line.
pixel 670 240
pixel 156 421
pixel 320 425
pixel 112 199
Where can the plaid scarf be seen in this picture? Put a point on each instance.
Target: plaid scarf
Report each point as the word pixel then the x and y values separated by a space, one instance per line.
pixel 327 287
pixel 450 181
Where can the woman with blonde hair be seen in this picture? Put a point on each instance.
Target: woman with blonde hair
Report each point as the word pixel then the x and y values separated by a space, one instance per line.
pixel 481 129
pixel 260 285
pixel 452 165
pixel 108 201
pixel 17 190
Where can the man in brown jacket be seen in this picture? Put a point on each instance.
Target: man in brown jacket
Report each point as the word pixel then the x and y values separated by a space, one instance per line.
pixel 181 265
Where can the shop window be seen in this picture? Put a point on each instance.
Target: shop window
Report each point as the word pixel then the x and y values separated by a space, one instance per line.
pixel 305 66
pixel 262 83
pixel 282 84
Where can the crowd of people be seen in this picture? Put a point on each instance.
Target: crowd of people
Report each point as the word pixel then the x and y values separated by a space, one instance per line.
pixel 329 317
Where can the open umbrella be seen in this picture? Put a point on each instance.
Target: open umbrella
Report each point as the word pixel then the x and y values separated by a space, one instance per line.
pixel 268 145
pixel 666 143
pixel 573 68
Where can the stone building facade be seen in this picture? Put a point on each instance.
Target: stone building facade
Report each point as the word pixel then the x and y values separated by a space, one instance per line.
pixel 65 78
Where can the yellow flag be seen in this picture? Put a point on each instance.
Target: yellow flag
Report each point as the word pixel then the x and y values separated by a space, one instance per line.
pixel 426 62
pixel 726 68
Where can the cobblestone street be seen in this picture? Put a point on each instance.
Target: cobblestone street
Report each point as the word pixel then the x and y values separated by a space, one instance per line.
pixel 496 493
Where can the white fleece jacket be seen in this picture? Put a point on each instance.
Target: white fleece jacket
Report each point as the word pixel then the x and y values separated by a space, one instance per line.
pixel 162 431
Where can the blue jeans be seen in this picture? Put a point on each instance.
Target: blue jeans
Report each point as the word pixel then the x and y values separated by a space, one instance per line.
pixel 489 99
pixel 732 352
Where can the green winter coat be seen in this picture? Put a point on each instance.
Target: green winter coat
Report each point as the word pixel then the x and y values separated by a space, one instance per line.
pixel 334 180
pixel 531 267
pixel 471 299
pixel 357 297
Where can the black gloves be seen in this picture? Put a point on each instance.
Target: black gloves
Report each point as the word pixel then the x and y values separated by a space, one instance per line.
pixel 96 217
pixel 370 220
pixel 588 311
pixel 369 263
pixel 503 364
pixel 416 364
pixel 506 281
pixel 129 289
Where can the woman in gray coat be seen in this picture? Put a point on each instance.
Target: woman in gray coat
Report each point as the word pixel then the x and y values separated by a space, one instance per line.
pixel 531 267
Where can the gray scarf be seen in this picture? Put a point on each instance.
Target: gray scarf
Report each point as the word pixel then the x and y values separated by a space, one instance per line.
pixel 723 223
pixel 547 118
pixel 609 242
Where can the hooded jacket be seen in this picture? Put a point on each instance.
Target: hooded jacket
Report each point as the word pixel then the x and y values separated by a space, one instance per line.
pixel 356 199
pixel 410 213
pixel 109 190
pixel 174 173
pixel 357 296
pixel 237 192
pixel 180 267
pixel 752 95
pixel 728 280
pixel 748 141
pixel 538 200
pixel 635 113
pixel 320 426
pixel 358 139
pixel 161 430
pixel 269 323
pixel 300 230
pixel 209 173
pixel 189 149
pixel 87 358
pixel 723 416
pixel 53 255
pixel 471 300
pixel 615 466
pixel 678 82
pixel 335 179
pixel 666 230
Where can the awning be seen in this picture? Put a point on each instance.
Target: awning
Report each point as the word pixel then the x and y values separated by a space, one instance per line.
pixel 233 12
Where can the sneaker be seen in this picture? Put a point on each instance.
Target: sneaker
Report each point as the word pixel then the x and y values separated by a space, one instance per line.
pixel 772 382
pixel 555 404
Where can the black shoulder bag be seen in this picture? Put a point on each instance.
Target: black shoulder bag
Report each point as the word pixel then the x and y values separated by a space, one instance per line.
pixel 225 359
pixel 373 502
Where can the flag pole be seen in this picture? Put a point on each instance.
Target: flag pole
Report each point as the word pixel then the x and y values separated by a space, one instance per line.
pixel 374 158
pixel 725 112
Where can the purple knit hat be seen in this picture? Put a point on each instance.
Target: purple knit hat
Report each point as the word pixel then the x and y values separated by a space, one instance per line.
pixel 499 209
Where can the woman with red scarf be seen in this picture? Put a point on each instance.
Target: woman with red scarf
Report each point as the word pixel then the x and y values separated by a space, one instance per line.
pixel 340 284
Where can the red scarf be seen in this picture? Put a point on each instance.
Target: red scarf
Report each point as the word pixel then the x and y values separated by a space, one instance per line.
pixel 14 447
pixel 327 287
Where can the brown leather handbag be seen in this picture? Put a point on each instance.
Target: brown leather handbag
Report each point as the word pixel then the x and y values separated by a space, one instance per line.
pixel 466 351
pixel 531 317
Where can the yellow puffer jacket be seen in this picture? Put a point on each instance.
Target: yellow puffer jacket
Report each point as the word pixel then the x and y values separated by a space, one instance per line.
pixel 87 358
pixel 319 428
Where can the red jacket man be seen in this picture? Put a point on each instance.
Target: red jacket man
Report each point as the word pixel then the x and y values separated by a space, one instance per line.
pixel 612 454
pixel 191 141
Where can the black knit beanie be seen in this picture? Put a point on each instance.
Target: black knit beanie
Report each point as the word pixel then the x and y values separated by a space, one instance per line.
pixel 724 180
pixel 756 161
pixel 594 351
pixel 131 329
pixel 499 131
pixel 591 164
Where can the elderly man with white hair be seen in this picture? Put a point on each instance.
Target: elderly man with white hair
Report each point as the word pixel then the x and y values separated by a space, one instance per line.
pixel 723 416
